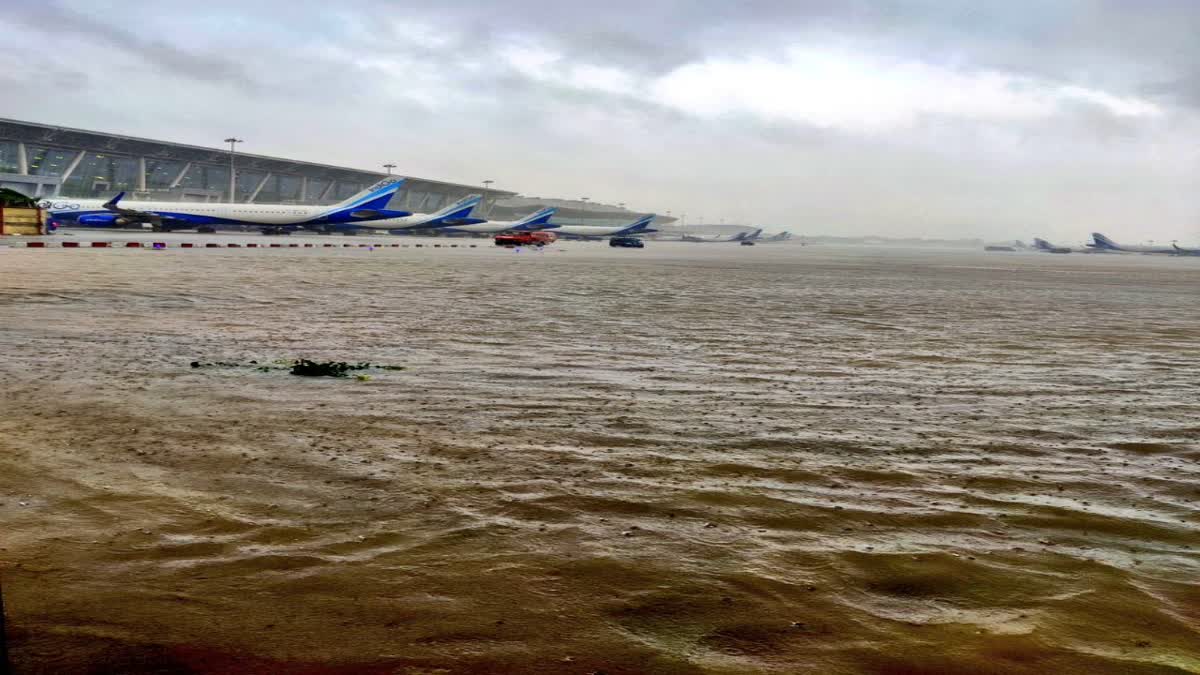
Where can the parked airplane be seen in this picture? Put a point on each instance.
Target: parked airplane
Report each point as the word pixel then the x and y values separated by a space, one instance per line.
pixel 368 205
pixel 1179 250
pixel 1047 247
pixel 782 236
pixel 534 221
pixel 637 228
pixel 1099 241
pixel 722 239
pixel 458 213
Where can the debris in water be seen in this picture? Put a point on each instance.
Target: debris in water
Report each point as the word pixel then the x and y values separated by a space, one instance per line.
pixel 303 367
pixel 307 368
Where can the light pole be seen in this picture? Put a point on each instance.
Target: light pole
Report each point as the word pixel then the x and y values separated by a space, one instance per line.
pixel 389 168
pixel 487 184
pixel 232 181
pixel 621 204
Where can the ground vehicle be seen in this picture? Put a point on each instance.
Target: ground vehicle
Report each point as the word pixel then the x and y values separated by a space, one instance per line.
pixel 626 242
pixel 536 238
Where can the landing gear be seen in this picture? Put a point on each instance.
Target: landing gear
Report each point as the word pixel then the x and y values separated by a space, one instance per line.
pixel 206 229
pixel 275 231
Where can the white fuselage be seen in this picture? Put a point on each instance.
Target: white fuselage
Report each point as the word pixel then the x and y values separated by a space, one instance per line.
pixel 588 230
pixel 254 214
pixel 490 227
pixel 407 222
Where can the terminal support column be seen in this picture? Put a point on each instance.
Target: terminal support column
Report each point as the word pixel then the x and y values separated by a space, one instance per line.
pixel 182 172
pixel 262 183
pixel 72 166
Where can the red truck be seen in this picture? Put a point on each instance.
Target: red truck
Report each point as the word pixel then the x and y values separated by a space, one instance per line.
pixel 538 238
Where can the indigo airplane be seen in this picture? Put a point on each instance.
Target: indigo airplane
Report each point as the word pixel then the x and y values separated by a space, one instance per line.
pixel 537 220
pixel 458 213
pixel 368 205
pixel 721 238
pixel 1046 247
pixel 636 228
pixel 1101 242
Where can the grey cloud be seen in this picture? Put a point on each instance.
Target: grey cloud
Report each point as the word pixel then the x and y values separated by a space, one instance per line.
pixel 311 80
pixel 62 21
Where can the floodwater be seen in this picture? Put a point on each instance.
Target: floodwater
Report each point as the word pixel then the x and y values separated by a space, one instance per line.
pixel 685 459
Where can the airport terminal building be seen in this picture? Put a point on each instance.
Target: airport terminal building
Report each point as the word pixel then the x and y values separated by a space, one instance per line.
pixel 40 160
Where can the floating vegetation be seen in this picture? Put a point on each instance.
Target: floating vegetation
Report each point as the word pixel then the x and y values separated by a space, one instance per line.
pixel 307 368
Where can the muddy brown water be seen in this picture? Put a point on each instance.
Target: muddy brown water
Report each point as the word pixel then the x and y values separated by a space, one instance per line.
pixel 685 459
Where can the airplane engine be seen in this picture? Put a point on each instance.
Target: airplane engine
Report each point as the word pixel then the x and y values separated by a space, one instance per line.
pixel 100 220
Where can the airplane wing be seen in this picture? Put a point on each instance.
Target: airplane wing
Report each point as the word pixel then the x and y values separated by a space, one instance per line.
pixel 132 214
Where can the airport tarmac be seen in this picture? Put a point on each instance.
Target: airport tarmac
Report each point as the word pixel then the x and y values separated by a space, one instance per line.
pixel 681 459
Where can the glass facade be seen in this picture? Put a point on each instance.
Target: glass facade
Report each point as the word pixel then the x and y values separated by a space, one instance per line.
pixel 346 190
pixel 316 189
pixel 45 161
pixel 161 172
pixel 288 189
pixel 206 177
pixel 436 201
pixel 100 173
pixel 8 157
pixel 411 199
pixel 247 181
pixel 279 188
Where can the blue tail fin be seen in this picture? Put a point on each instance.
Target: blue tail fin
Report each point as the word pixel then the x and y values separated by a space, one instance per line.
pixel 638 225
pixel 375 197
pixel 460 209
pixel 1101 241
pixel 535 219
pixel 112 203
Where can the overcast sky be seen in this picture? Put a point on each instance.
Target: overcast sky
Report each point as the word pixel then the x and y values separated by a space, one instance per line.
pixel 900 117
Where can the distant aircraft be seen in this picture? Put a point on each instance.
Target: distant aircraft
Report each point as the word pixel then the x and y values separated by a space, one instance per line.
pixel 722 239
pixel 458 213
pixel 782 236
pixel 368 205
pixel 534 221
pixel 1179 250
pixel 1047 247
pixel 1099 241
pixel 637 228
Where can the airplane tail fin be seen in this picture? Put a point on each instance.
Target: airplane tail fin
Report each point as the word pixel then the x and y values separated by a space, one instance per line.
pixel 640 225
pixel 459 209
pixel 754 235
pixel 374 198
pixel 112 203
pixel 535 219
pixel 1041 244
pixel 1101 241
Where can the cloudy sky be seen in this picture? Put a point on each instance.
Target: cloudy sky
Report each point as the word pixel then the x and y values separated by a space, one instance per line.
pixel 932 118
